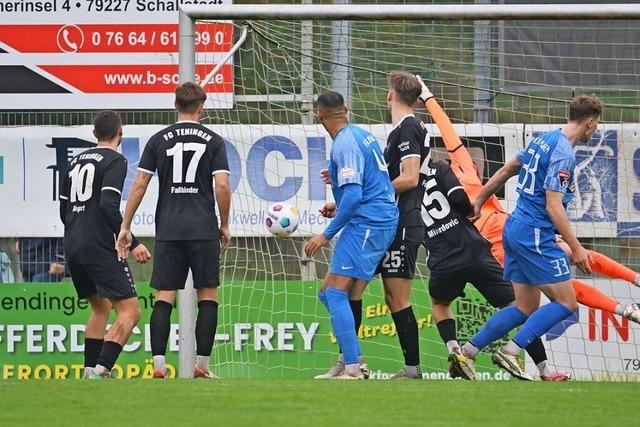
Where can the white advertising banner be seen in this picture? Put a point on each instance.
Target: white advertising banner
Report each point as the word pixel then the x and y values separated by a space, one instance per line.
pixel 269 164
pixel 74 54
pixel 593 344
pixel 281 164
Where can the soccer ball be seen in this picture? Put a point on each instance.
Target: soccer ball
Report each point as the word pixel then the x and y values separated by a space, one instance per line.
pixel 282 220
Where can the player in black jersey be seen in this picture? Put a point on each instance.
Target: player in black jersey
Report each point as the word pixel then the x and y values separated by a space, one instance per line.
pixel 458 254
pixel 90 210
pixel 188 158
pixel 407 149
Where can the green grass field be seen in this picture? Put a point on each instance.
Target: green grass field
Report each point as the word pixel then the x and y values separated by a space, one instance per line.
pixel 310 403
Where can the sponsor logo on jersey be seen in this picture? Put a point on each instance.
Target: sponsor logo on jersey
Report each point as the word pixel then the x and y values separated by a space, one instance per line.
pixel 404 146
pixel 347 172
pixel 564 177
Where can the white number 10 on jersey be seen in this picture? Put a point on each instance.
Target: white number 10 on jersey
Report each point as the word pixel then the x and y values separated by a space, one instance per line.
pixel 81 182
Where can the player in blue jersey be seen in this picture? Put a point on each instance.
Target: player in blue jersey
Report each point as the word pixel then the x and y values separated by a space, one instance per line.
pixel 534 262
pixel 364 210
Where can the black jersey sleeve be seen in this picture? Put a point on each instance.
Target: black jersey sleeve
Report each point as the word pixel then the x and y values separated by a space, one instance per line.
pixel 64 197
pixel 411 140
pixel 148 161
pixel 219 161
pixel 110 195
pixel 452 189
pixel 111 192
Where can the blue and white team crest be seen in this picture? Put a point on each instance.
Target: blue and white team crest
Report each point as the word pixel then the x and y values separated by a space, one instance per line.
pixel 595 183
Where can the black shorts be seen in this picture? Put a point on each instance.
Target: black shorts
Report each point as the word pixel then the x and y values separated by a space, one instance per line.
pixel 173 259
pixel 400 259
pixel 112 280
pixel 485 276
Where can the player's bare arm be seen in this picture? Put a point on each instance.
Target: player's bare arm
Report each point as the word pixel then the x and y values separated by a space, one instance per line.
pixel 314 245
pixel 408 178
pixel 497 181
pixel 223 199
pixel 110 210
pixel 324 175
pixel 558 215
pixel 141 253
pixel 138 189
pixel 328 210
pixel 56 269
pixel 350 203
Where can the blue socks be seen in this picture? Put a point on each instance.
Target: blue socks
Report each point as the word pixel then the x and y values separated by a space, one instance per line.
pixel 498 326
pixel 343 323
pixel 534 327
pixel 322 296
pixel 540 322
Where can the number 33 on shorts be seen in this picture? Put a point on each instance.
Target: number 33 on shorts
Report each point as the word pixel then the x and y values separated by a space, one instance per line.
pixel 561 267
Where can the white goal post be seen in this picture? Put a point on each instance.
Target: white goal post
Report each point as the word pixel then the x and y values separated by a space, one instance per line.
pixel 189 14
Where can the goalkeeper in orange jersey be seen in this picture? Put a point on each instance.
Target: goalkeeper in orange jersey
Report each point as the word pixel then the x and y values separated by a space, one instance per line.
pixel 492 220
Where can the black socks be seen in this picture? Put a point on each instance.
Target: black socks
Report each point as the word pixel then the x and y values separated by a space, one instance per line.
pixel 206 325
pixel 160 327
pixel 109 354
pixel 92 349
pixel 407 328
pixel 447 330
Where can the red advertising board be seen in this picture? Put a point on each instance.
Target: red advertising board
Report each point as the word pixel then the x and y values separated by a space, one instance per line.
pixel 60 54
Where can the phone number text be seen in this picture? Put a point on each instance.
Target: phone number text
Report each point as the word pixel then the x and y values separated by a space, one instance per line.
pixel 131 5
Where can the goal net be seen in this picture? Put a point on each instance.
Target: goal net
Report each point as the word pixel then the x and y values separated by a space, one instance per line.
pixel 501 82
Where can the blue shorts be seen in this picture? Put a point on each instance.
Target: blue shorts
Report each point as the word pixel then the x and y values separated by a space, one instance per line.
pixel 359 250
pixel 532 256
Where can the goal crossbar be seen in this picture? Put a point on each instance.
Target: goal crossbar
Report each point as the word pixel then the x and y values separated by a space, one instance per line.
pixel 414 11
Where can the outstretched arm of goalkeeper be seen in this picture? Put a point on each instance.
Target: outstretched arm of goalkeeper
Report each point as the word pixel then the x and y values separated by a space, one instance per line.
pixel 461 160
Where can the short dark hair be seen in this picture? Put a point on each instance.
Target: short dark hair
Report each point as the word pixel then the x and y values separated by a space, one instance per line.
pixel 189 96
pixel 330 100
pixel 106 125
pixel 406 86
pixel 585 106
